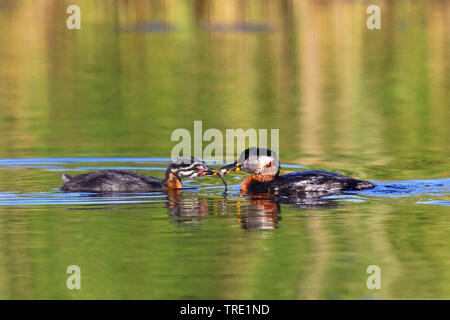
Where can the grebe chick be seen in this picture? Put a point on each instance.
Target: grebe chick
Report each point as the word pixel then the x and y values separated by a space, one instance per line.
pixel 129 181
pixel 264 166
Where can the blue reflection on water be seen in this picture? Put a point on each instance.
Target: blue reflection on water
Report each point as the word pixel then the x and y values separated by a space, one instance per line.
pixel 425 191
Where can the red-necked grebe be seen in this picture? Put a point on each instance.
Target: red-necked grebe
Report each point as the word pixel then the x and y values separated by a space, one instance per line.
pixel 264 166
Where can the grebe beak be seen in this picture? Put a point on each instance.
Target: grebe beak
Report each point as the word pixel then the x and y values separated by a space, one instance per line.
pixel 212 172
pixel 222 171
pixel 230 168
pixel 206 171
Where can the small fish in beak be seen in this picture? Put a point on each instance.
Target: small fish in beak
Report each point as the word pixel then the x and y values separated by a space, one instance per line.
pixel 230 168
pixel 217 173
pixel 223 171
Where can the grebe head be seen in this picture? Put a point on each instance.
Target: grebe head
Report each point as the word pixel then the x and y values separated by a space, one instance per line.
pixel 186 167
pixel 260 161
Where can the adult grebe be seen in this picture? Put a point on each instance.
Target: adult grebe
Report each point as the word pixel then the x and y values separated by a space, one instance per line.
pixel 264 166
pixel 128 181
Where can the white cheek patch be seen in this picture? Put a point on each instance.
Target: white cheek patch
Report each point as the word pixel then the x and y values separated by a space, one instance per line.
pixel 265 160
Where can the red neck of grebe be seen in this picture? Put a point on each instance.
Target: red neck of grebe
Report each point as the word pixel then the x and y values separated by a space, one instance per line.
pixel 255 179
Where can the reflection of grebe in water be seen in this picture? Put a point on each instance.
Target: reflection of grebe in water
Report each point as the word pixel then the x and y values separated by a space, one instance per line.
pixel 255 211
pixel 263 210
pixel 259 212
pixel 129 181
pixel 264 166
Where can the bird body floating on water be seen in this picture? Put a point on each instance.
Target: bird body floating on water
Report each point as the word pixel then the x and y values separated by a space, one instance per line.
pixel 264 167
